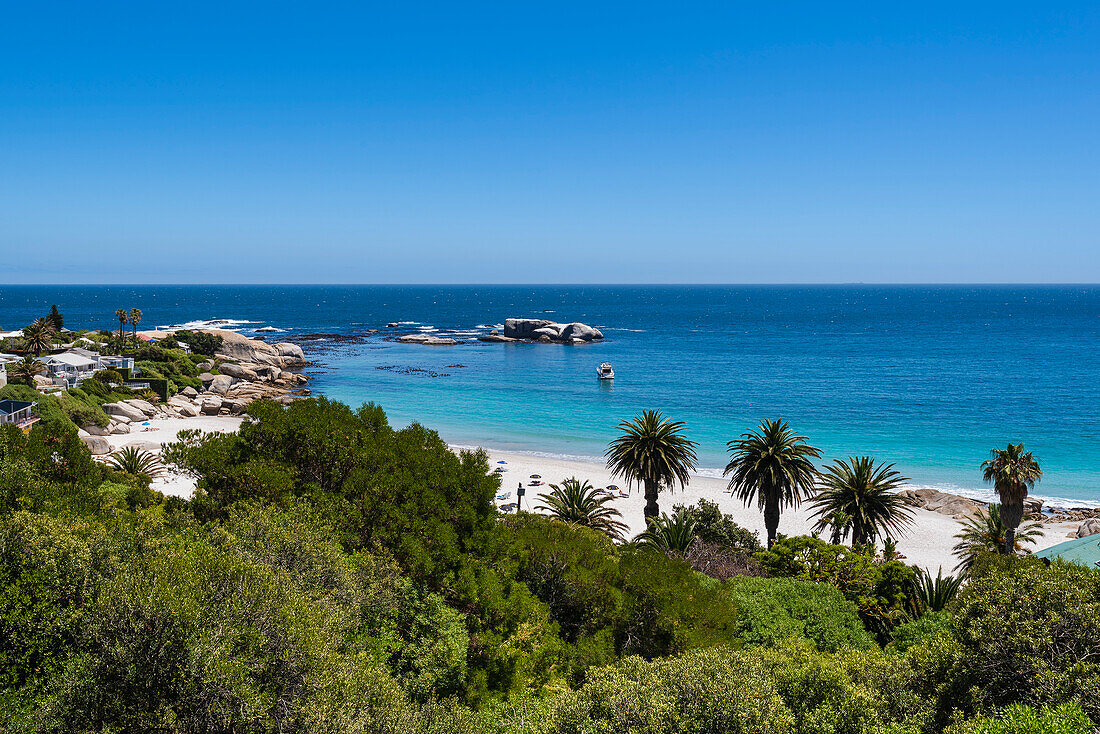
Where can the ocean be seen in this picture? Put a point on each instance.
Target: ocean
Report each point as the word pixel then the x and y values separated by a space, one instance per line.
pixel 928 377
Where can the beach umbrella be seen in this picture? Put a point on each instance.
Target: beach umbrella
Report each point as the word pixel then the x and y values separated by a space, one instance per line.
pixel 502 461
pixel 145 423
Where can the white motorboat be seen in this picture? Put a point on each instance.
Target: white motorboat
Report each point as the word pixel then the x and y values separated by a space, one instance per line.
pixel 604 371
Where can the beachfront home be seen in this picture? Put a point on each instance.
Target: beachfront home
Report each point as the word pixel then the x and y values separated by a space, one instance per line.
pixel 18 413
pixel 106 361
pixel 69 369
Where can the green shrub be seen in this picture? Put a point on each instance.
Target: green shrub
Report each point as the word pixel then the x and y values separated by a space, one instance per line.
pixel 712 527
pixel 770 610
pixel 1067 718
pixel 200 342
pixel 880 590
pixel 1030 634
pixel 49 406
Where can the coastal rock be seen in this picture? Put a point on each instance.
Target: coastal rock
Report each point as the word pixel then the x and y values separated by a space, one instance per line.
pixel 957 507
pixel 206 378
pixel 220 384
pixel 144 406
pixel 183 407
pixel 286 349
pixel 552 332
pixel 435 341
pixel 118 429
pixel 211 405
pixel 496 338
pixel 545 339
pixel 1088 527
pixel 239 348
pixel 584 332
pixel 97 445
pixel 119 419
pixel 190 392
pixel 206 366
pixel 239 371
pixel 93 430
pixel 124 409
pixel 523 328
pixel 235 406
pixel 391 325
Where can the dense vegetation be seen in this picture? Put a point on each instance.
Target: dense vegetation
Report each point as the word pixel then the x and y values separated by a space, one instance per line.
pixel 334 574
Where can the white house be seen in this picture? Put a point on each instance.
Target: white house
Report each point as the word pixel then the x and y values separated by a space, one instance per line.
pixel 69 368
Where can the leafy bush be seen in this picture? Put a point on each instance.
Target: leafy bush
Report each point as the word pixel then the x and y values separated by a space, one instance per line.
pixel 1044 621
pixel 881 590
pixel 200 342
pixel 712 527
pixel 49 406
pixel 784 690
pixel 1067 718
pixel 770 610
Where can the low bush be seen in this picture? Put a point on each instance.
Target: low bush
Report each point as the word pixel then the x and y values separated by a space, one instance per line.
pixel 770 610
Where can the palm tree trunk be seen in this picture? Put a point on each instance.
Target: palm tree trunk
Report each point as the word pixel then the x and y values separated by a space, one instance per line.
pixel 771 518
pixel 1011 513
pixel 651 508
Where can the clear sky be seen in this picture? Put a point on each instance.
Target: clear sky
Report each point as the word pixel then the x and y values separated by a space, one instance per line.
pixel 561 143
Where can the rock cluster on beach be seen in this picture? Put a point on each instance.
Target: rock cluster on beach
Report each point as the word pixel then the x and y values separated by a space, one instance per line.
pixel 541 330
pixel 247 370
pixel 960 508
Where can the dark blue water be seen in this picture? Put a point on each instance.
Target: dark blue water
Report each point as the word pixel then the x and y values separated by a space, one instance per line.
pixel 928 377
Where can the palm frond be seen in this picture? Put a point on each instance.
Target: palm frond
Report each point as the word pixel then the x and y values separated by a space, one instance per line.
pixel 669 534
pixel 132 460
pixel 866 496
pixel 579 503
pixel 987 533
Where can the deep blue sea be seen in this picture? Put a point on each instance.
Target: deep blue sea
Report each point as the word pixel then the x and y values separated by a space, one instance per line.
pixel 928 377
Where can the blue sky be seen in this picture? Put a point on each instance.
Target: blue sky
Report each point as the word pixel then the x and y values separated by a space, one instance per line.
pixel 560 143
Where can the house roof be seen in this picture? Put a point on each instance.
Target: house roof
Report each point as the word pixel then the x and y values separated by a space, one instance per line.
pixel 1083 551
pixel 8 406
pixel 69 358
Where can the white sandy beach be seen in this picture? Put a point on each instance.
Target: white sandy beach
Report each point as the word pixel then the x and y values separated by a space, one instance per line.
pixel 928 543
pixel 164 431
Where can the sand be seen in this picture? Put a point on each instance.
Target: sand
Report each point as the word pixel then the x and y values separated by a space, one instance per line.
pixel 170 482
pixel 927 544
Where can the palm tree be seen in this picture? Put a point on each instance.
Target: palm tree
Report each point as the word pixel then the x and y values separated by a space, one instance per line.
pixel 38 336
pixel 867 495
pixel 578 503
pixel 135 319
pixel 653 451
pixel 25 370
pixel 933 594
pixel 673 534
pixel 133 460
pixel 987 533
pixel 772 466
pixel 1013 472
pixel 123 319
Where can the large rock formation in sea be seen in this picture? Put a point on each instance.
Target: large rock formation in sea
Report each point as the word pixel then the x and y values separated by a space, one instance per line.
pixel 543 330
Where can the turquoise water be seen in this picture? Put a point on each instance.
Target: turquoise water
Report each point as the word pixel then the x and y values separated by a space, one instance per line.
pixel 928 377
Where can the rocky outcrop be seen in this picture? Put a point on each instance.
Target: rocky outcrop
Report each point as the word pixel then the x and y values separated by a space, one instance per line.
pixel 957 507
pixel 542 330
pixel 239 348
pixel 496 338
pixel 147 408
pixel 238 370
pixel 434 341
pixel 97 445
pixel 93 430
pixel 523 328
pixel 124 409
pixel 220 384
pixel 1088 527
